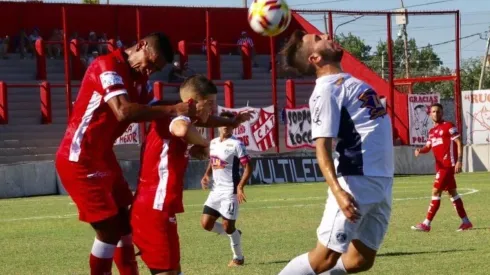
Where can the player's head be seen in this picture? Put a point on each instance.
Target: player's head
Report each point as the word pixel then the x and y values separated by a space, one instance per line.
pixel 309 52
pixel 151 53
pixel 226 131
pixel 202 91
pixel 436 112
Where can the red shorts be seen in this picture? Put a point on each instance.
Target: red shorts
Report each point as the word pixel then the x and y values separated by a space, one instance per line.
pixel 99 191
pixel 156 236
pixel 445 179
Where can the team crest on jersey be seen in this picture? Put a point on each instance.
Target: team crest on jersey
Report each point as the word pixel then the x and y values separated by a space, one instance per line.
pixel 341 237
pixel 370 100
pixel 110 78
pixel 217 163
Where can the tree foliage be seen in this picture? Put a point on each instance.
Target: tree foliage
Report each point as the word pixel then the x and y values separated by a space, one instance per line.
pixel 423 61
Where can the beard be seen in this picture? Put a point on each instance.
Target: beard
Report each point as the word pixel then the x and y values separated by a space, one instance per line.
pixel 332 55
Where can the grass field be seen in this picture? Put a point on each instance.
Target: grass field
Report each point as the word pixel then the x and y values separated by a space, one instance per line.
pixel 43 236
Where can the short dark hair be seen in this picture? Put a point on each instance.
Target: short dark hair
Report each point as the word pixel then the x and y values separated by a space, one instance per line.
pixel 200 85
pixel 227 114
pixel 161 43
pixel 439 105
pixel 294 54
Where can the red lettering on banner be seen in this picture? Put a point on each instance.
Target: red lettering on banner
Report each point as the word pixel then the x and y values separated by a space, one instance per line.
pixel 244 140
pixel 419 140
pixel 478 98
pixel 423 99
pixel 240 130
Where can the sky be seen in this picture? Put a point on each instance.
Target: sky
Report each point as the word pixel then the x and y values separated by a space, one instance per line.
pixel 475 19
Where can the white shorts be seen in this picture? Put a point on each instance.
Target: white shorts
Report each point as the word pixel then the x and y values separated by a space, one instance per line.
pixel 225 203
pixel 374 197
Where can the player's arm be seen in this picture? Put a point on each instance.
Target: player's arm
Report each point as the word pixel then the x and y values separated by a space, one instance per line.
pixel 205 178
pixel 244 158
pixel 423 150
pixel 182 127
pixel 124 110
pixel 325 111
pixel 455 136
pixel 217 121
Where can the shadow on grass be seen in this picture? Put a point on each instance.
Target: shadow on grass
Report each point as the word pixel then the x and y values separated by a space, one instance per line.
pixel 391 254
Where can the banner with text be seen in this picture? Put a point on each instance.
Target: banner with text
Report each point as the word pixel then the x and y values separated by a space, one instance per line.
pixel 476 117
pixel 130 136
pixel 285 169
pixel 298 128
pixel 418 117
pixel 258 133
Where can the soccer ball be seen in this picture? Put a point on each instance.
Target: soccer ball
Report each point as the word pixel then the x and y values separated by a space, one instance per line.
pixel 269 17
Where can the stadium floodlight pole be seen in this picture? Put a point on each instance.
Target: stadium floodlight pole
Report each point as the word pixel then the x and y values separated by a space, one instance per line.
pixel 245 4
pixel 484 63
pixel 405 41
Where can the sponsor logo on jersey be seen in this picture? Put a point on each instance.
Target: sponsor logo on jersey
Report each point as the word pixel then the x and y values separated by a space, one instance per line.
pixel 217 163
pixel 110 78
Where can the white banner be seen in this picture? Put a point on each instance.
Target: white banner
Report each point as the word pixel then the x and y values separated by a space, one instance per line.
pixel 258 133
pixel 476 117
pixel 298 127
pixel 419 120
pixel 130 136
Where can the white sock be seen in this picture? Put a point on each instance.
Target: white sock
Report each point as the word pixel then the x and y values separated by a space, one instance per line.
pixel 236 247
pixel 218 228
pixel 426 222
pixel 298 266
pixel 103 250
pixel 338 269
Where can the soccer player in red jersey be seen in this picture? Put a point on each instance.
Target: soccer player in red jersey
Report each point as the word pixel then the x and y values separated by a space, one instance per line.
pixel 443 138
pixel 160 189
pixel 112 95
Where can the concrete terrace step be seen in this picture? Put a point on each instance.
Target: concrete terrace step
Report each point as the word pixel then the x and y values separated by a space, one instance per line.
pixel 25 142
pixel 25 158
pixel 20 151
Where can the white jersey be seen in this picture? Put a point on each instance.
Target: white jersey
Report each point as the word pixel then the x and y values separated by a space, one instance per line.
pixel 346 108
pixel 226 157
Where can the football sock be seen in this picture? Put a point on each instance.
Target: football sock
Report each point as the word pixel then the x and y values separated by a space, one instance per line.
pixel 101 258
pixel 338 269
pixel 458 204
pixel 218 228
pixel 236 247
pixel 433 207
pixel 298 266
pixel 124 256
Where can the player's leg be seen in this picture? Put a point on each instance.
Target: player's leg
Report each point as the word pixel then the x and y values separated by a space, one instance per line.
pixel 229 211
pixel 96 206
pixel 459 206
pixel 435 203
pixel 334 235
pixel 124 256
pixel 210 214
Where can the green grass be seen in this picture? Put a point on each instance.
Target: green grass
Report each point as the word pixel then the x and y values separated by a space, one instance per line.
pixel 43 235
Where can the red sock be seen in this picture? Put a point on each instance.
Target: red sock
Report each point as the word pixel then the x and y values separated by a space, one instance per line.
pixel 124 257
pixel 434 206
pixel 101 258
pixel 458 204
pixel 100 266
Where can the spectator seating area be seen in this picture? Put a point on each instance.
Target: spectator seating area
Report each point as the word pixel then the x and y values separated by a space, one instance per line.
pixel 25 139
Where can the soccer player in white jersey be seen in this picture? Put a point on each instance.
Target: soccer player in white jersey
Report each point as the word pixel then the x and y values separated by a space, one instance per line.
pixel 227 153
pixel 358 206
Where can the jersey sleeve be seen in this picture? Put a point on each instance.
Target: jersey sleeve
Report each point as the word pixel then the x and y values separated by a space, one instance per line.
pixel 242 153
pixel 184 118
pixel 453 131
pixel 325 109
pixel 111 78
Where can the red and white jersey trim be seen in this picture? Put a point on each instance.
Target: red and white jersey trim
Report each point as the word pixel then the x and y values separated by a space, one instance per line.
pixel 112 94
pixel 75 147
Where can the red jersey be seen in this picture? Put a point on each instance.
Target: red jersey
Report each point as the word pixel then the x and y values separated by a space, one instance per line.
pixel 441 140
pixel 93 127
pixel 163 164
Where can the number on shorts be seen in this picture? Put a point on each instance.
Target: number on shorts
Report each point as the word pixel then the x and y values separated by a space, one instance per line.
pixel 231 209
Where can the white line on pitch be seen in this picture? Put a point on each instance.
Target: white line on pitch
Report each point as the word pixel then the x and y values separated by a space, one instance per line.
pixel 469 192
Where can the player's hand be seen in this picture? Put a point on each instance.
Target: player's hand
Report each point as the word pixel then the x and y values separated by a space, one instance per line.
pixel 188 109
pixel 348 205
pixel 417 152
pixel 205 182
pixel 242 117
pixel 241 196
pixel 458 167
